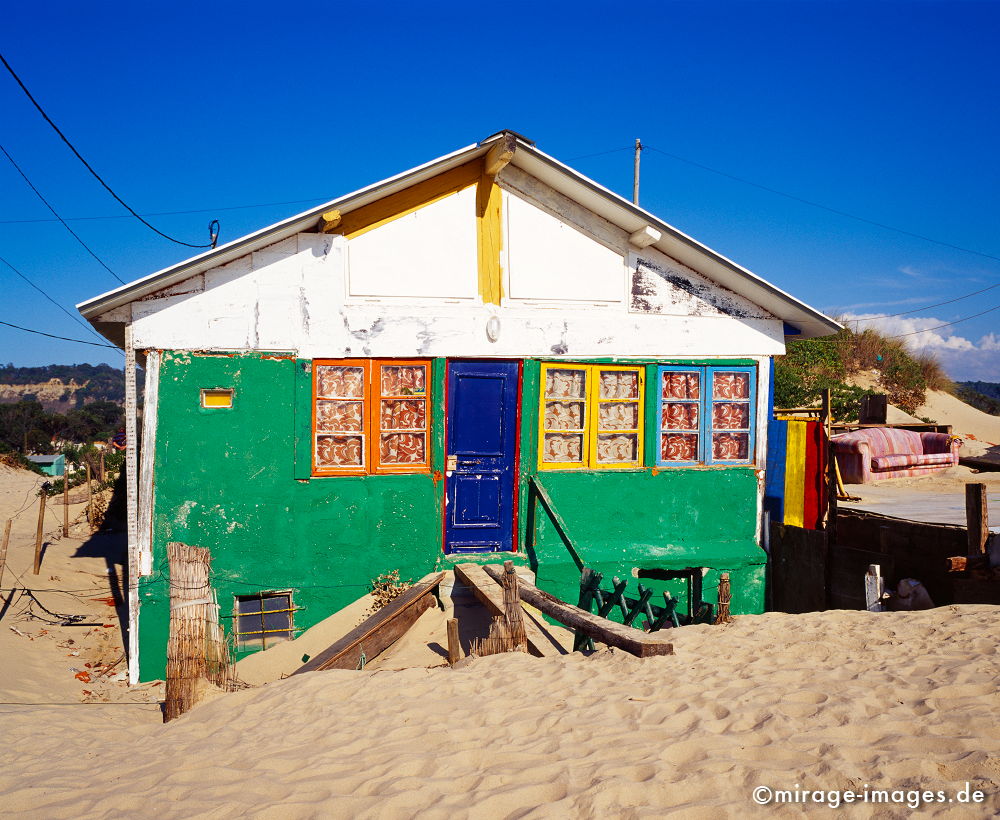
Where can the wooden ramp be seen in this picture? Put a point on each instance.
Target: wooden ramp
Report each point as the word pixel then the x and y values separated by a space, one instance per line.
pixel 635 641
pixel 380 631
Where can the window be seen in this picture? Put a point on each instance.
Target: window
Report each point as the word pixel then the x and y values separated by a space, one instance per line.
pixel 706 415
pixel 264 619
pixel 590 417
pixel 370 416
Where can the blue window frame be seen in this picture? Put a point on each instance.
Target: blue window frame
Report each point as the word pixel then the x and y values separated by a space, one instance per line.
pixel 706 415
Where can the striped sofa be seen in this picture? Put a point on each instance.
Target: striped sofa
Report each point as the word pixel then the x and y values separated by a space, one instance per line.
pixel 876 453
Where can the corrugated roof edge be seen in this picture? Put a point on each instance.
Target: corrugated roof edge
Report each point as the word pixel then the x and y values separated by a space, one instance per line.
pixel 92 308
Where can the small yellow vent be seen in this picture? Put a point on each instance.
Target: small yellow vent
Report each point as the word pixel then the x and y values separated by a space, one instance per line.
pixel 217 397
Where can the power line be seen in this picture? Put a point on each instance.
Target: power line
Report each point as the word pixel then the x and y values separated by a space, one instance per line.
pixel 169 213
pixel 53 301
pixel 86 164
pixel 63 221
pixel 63 338
pixel 821 206
pixel 938 304
pixel 946 324
pixel 601 153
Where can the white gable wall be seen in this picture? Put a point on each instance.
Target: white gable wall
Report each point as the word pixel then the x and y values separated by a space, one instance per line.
pixel 410 288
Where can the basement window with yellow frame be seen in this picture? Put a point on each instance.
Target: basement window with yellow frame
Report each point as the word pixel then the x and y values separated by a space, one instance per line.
pixel 371 416
pixel 591 417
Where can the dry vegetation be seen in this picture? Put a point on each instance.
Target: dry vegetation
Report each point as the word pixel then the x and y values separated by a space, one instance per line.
pixel 812 365
pixel 387 587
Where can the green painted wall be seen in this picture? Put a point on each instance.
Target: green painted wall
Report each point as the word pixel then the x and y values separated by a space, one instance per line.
pixel 225 479
pixel 238 482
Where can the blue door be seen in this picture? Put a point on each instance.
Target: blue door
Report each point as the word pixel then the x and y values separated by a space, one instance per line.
pixel 482 437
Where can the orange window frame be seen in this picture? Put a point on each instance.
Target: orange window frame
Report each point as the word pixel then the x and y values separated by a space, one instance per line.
pixel 371 432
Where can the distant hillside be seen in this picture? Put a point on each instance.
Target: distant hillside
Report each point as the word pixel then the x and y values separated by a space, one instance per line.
pixel 62 387
pixel 983 396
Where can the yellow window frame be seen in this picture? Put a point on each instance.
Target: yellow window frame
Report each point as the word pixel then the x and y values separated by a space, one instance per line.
pixel 591 417
pixel 595 410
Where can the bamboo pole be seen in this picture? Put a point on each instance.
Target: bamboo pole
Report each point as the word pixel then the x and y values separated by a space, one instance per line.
pixel 41 525
pixel 725 596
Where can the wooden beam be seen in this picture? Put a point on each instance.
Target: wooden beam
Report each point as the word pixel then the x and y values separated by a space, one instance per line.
pixel 371 216
pixel 41 527
pixel 633 641
pixel 3 550
pixel 489 239
pixel 644 237
pixel 379 632
pixel 490 595
pixel 329 221
pixel 977 518
pixel 454 646
pixel 500 155
pixel 131 508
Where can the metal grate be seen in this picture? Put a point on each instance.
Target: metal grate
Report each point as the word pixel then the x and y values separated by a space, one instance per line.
pixel 264 619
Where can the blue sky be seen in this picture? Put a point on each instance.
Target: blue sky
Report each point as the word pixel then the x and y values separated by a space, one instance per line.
pixel 883 110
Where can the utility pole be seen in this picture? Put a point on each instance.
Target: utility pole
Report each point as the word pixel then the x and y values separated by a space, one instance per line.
pixel 635 173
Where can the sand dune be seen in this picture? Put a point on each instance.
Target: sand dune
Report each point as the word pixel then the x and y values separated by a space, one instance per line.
pixel 830 700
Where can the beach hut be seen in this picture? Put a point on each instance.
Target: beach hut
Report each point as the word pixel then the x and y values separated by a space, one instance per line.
pixel 52 465
pixel 489 353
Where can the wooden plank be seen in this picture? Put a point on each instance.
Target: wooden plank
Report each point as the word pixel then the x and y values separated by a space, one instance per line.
pixel 144 532
pixel 131 508
pixel 65 527
pixel 379 632
pixel 490 595
pixel 874 587
pixel 633 641
pixel 41 527
pixel 799 569
pixel 977 518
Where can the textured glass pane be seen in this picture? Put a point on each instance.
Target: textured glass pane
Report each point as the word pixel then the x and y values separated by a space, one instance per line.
pixel 274 603
pixel 679 416
pixel 618 415
pixel 681 385
pixel 404 414
pixel 564 415
pixel 340 382
pixel 731 416
pixel 618 385
pixel 247 605
pixel 276 620
pixel 730 446
pixel 565 384
pixel 402 448
pixel 339 451
pixel 731 386
pixel 560 448
pixel 339 416
pixel 404 380
pixel 620 448
pixel 679 447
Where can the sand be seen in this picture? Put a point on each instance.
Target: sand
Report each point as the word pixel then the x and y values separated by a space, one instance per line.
pixel 822 701
pixel 830 700
pixel 979 431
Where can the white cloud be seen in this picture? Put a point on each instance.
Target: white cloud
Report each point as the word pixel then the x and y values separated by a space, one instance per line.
pixel 962 359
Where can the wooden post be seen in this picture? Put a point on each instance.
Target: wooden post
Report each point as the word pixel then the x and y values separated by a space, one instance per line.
pixel 90 497
pixel 725 596
pixel 41 526
pixel 454 647
pixel 102 467
pixel 65 499
pixel 832 490
pixel 976 517
pixel 3 549
pixel 874 587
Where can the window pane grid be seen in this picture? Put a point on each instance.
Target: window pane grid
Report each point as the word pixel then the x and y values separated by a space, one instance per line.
pixel 402 416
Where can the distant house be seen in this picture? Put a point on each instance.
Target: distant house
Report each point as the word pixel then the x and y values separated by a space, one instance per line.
pixel 50 465
pixel 385 382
